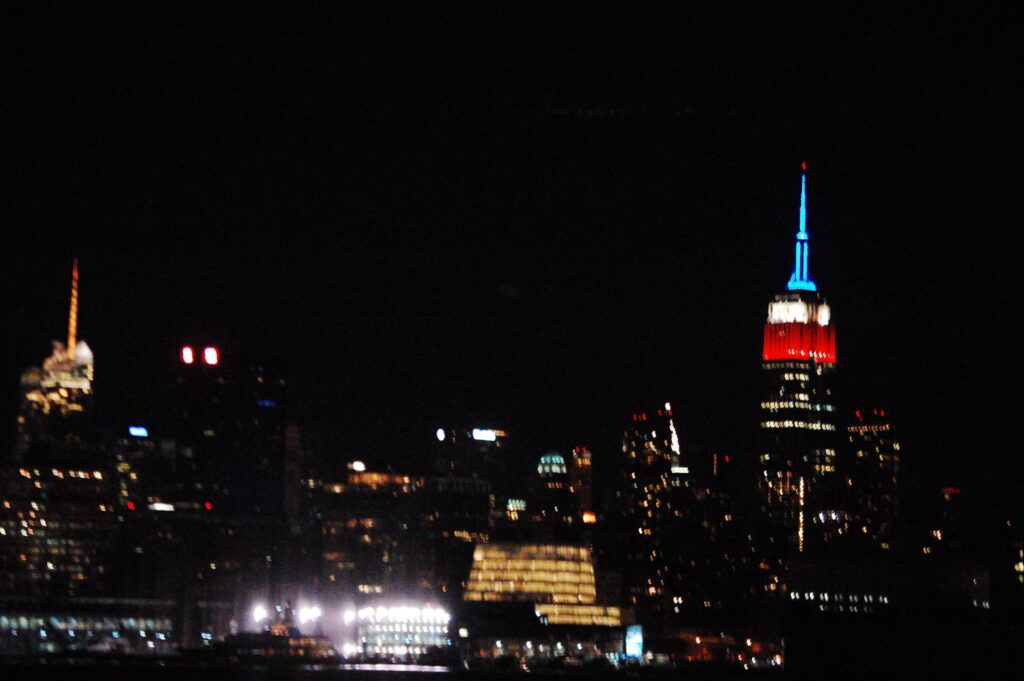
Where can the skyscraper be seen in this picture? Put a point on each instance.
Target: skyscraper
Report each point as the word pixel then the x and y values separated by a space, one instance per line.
pixel 230 429
pixel 61 527
pixel 646 521
pixel 483 454
pixel 581 483
pixel 800 481
pixel 871 473
pixel 56 399
pixel 554 505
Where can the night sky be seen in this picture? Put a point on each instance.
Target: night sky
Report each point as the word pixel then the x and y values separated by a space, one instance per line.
pixel 527 218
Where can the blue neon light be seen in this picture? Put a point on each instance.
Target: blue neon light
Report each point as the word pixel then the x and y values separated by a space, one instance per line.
pixel 800 280
pixel 266 403
pixel 138 431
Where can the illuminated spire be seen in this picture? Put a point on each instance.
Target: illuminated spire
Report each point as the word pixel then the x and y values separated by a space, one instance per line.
pixel 801 280
pixel 73 315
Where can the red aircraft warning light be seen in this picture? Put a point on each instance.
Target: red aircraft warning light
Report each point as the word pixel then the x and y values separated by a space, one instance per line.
pixel 187 355
pixel 211 356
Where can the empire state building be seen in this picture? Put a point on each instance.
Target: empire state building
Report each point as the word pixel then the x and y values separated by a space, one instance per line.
pixel 800 485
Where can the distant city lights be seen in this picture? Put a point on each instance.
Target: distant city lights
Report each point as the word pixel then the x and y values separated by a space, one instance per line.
pixel 138 431
pixel 259 613
pixel 403 614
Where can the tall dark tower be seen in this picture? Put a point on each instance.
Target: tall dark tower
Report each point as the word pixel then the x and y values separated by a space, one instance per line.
pixel 800 484
pixel 872 472
pixel 230 428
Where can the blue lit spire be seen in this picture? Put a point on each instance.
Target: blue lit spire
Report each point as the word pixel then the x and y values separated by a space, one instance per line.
pixel 800 280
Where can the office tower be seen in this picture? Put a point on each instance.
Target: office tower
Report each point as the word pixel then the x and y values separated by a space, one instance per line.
pixel 581 484
pixel 871 472
pixel 471 452
pixel 941 519
pixel 56 399
pixel 537 600
pixel 557 579
pixel 58 525
pixel 801 483
pixel 483 454
pixel 645 523
pixel 553 505
pixel 230 430
pixel 61 573
pixel 375 535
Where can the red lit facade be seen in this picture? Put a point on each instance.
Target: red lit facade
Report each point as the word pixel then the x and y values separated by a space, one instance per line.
pixel 799 341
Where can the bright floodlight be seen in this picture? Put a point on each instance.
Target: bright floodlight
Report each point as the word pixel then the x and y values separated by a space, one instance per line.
pixel 485 434
pixel 308 614
pixel 349 616
pixel 259 613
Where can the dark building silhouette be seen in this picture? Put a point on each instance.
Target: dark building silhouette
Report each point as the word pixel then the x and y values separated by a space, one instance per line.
pixel 871 470
pixel 581 484
pixel 230 429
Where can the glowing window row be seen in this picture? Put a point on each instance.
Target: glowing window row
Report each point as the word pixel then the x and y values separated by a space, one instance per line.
pixel 580 615
pixel 570 598
pixel 806 425
pixel 775 406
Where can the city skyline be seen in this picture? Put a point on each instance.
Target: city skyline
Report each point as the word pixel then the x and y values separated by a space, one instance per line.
pixel 544 432
pixel 512 338
pixel 557 223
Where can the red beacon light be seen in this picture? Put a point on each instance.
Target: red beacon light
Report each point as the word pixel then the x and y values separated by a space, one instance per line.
pixel 187 355
pixel 208 506
pixel 211 356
